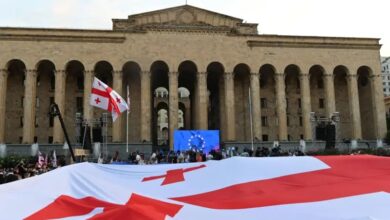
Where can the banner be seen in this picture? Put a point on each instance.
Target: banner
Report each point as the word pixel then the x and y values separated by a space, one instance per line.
pixel 272 188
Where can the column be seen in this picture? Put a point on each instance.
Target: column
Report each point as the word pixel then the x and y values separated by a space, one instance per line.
pixel 145 106
pixel 187 117
pixel 88 78
pixel 354 107
pixel 202 104
pixel 173 105
pixel 30 91
pixel 306 106
pixel 281 106
pixel 329 94
pixel 229 107
pixel 117 130
pixel 256 108
pixel 3 95
pixel 59 97
pixel 379 106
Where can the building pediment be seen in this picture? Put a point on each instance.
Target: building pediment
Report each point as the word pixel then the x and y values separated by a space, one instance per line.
pixel 184 18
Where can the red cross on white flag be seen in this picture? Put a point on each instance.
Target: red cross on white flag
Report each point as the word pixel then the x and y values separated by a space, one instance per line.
pixel 102 96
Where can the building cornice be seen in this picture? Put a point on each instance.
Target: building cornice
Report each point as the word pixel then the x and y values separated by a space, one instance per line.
pixel 59 38
pixel 313 42
pixel 61 35
pixel 192 29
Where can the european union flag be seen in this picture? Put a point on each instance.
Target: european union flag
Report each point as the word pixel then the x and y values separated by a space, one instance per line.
pixel 199 140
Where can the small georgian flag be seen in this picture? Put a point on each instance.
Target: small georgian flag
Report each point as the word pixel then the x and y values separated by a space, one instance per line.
pixel 102 96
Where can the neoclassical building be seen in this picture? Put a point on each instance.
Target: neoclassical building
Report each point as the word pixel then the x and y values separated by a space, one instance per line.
pixel 191 68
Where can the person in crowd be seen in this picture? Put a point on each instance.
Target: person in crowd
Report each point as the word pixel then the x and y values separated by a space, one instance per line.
pixel 153 158
pixel 100 159
pixel 115 158
pixel 1 175
pixel 257 152
pixel 180 157
pixel 199 157
pixel 141 159
pixel 137 158
pixel 209 156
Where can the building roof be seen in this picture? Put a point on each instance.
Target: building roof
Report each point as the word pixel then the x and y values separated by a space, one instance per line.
pixel 186 17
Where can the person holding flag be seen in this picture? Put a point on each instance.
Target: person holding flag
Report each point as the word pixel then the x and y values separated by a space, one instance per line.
pixel 104 97
pixel 40 161
pixel 54 159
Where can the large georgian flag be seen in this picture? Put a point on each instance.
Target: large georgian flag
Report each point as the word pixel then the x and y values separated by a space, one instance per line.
pixel 277 188
pixel 102 96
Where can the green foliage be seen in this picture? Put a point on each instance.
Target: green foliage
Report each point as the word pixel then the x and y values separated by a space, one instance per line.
pixel 387 138
pixel 388 123
pixel 13 160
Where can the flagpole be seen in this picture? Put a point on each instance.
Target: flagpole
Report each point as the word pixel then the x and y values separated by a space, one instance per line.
pixel 127 120
pixel 250 116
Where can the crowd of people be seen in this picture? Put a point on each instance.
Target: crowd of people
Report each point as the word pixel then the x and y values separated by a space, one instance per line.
pixel 191 156
pixel 44 163
pixel 22 171
pixel 29 167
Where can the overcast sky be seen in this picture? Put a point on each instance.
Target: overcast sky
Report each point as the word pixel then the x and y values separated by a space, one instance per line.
pixel 345 18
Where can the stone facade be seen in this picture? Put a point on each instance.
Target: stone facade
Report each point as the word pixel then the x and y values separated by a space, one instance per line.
pixel 385 63
pixel 223 62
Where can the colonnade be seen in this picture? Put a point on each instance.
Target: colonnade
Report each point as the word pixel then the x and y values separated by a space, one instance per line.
pixel 201 110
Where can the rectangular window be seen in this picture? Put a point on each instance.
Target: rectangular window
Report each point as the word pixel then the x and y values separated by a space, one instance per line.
pixel 321 103
pixel 299 103
pixel 288 121
pixel 263 102
pixel 21 121
pixel 51 121
pixel 320 84
pixel 51 118
pixel 79 104
pixel 300 121
pixel 80 83
pixel 36 121
pixel 52 83
pixel 35 139
pixel 264 121
pixel 51 100
pixel 265 137
pixel 286 103
pixel 50 140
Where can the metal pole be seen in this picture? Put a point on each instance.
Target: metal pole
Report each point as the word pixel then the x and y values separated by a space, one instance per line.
pixel 85 134
pixel 105 127
pixel 250 115
pixel 106 134
pixel 127 120
pixel 55 111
